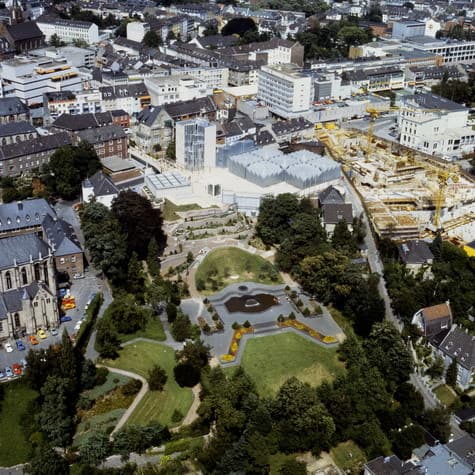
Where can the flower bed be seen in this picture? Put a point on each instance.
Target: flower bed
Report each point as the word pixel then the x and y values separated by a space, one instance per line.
pixel 235 342
pixel 327 339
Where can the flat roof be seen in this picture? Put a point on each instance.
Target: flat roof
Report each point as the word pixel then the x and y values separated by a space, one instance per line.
pixel 163 181
pixel 117 164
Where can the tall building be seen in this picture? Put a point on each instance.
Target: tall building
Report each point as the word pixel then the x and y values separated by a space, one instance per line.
pixel 285 90
pixel 195 144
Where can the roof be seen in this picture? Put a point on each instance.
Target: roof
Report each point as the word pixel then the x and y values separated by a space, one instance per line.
pixel 18 250
pixel 14 128
pixel 460 345
pixel 24 214
pixel 12 105
pixel 415 252
pixel 24 31
pixel 330 195
pixel 333 213
pixel 52 20
pixel 11 300
pixel 441 461
pixel 74 122
pixel 149 115
pixel 432 101
pixel 127 90
pixel 465 414
pixel 464 447
pixel 437 312
pixel 391 465
pixel 34 146
pixel 202 105
pixel 101 184
pixel 217 41
pixel 61 236
pixel 102 134
pixel 293 125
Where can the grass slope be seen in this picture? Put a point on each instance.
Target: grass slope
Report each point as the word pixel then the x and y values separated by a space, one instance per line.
pixel 445 394
pixel 14 448
pixel 271 360
pixel 153 330
pixel 348 456
pixel 155 406
pixel 170 209
pixel 227 262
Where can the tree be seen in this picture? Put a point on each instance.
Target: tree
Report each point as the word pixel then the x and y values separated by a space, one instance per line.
pixel 107 339
pixel 55 40
pixel 95 448
pixel 195 353
pixel 152 39
pixel 139 221
pixel 293 467
pixel 406 440
pixel 157 378
pixel 410 400
pixel 408 5
pixel 210 30
pixel 342 238
pixel 387 352
pixel 239 26
pixel 189 257
pixel 170 152
pixel 88 374
pixel 126 314
pixel 136 278
pixel 437 423
pixel 451 375
pixel 47 461
pixel 153 258
pixel 186 375
pixel 138 439
pixel 172 312
pixel 181 327
pixel 436 370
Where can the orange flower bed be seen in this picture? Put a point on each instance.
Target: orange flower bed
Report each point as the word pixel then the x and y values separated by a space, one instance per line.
pixel 308 330
pixel 234 346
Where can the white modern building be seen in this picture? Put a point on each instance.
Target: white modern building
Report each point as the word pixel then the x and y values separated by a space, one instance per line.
pixel 171 185
pixel 285 90
pixel 195 144
pixel 28 79
pixel 68 30
pixel 168 89
pixel 214 78
pixel 435 125
pixel 67 102
pixel 452 51
pixel 403 29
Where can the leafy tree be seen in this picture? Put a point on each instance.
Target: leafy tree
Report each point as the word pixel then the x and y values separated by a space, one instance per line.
pixel 342 238
pixel 186 375
pixel 153 258
pixel 47 461
pixel 140 222
pixel 138 439
pixel 239 26
pixel 293 467
pixel 456 90
pixel 126 314
pixel 55 40
pixel 152 39
pixel 437 423
pixel 195 353
pixel 95 448
pixel 410 400
pixel 387 352
pixel 436 370
pixel 157 378
pixel 210 30
pixel 107 339
pixel 172 312
pixel 181 328
pixel 451 375
pixel 136 278
pixel 68 167
pixel 170 152
pixel 405 441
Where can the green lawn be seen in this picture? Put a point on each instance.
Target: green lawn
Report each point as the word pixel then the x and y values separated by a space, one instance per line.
pixel 159 406
pixel 14 448
pixel 153 330
pixel 228 265
pixel 277 460
pixel 445 395
pixel 348 456
pixel 170 209
pixel 271 360
pixel 113 380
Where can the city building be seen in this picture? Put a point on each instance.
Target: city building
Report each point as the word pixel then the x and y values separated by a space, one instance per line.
pixel 167 89
pixel 430 321
pixel 13 109
pixel 170 185
pixel 403 29
pixel 435 125
pixel 99 187
pixel 22 37
pixel 68 102
pixel 415 254
pixel 153 129
pixel 285 90
pixel 181 27
pixel 14 132
pixel 132 98
pixel 68 30
pixel 108 140
pixel 452 51
pixel 195 144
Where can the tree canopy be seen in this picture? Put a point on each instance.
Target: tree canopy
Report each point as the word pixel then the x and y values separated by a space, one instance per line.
pixel 239 26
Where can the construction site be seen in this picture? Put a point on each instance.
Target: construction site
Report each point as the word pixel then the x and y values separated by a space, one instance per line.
pixel 406 194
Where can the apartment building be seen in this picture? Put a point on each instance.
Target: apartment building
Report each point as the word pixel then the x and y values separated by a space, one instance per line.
pixel 435 125
pixel 69 102
pixel 195 144
pixel 285 90
pixel 377 79
pixel 214 78
pixel 68 30
pixel 180 26
pixel 167 89
pixel 28 79
pixel 132 98
pixel 108 141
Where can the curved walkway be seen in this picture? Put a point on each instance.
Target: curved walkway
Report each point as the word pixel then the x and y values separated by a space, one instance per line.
pixel 136 401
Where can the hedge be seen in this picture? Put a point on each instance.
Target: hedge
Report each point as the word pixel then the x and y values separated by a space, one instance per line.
pixel 85 331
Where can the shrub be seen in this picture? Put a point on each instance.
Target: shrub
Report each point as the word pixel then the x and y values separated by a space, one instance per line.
pixel 157 378
pixel 177 416
pixel 299 303
pixel 292 315
pixel 215 317
pixel 318 309
pixel 101 376
pixel 280 318
pixel 219 326
pixel 171 312
pixel 200 285
pixel 306 312
pixel 247 324
pixel 131 388
pixel 84 403
pixel 287 288
pixel 293 294
pixel 186 375
pixel 235 326
pixel 205 301
pixel 206 328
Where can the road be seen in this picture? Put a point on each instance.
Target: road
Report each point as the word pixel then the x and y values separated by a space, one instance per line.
pixel 376 266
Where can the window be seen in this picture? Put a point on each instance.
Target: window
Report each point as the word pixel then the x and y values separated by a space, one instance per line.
pixel 35 304
pixel 16 317
pixel 8 279
pixel 73 259
pixel 37 272
pixel 48 300
pixel 24 277
pixel 61 260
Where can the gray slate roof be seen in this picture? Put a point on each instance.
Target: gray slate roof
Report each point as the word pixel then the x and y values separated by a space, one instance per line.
pixel 464 447
pixel 34 146
pixel 12 105
pixel 61 236
pixel 101 184
pixel 102 134
pixel 432 101
pixel 24 31
pixel 11 301
pixel 24 214
pixel 17 250
pixel 14 128
pixel 415 252
pixel 333 213
pixel 198 106
pixel 330 195
pixel 461 346
pixel 75 122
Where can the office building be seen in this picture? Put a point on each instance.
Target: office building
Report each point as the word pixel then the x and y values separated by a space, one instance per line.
pixel 403 29
pixel 68 30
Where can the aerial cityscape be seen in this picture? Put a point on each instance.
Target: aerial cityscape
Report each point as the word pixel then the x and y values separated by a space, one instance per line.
pixel 237 237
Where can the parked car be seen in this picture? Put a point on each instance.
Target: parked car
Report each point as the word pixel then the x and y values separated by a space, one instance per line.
pixel 16 369
pixel 65 318
pixel 8 372
pixel 8 347
pixel 78 325
pixel 42 334
pixel 20 346
pixel 54 331
pixel 23 363
pixel 33 339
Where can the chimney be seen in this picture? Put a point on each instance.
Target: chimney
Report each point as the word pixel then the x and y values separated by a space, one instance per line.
pixel 20 205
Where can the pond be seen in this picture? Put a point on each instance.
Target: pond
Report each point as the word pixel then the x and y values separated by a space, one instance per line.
pixel 251 303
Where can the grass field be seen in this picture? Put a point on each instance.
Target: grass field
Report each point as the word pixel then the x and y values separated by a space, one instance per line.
pixel 153 330
pixel 170 209
pixel 445 395
pixel 155 406
pixel 348 456
pixel 14 448
pixel 271 360
pixel 228 265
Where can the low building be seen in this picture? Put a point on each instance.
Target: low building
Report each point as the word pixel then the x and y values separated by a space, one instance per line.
pixel 23 37
pixel 132 98
pixel 13 109
pixel 430 321
pixel 14 132
pixel 168 89
pixel 99 187
pixel 171 185
pixel 391 465
pixel 403 29
pixel 68 30
pixel 330 195
pixel 153 129
pixel 334 213
pixel 464 448
pixel 293 130
pixel 70 102
pixel 23 157
pixel 415 254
